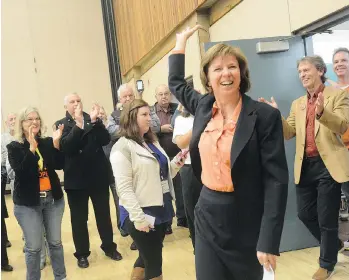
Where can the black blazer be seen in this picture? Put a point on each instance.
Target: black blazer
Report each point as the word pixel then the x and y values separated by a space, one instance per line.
pixel 25 165
pixel 258 161
pixel 86 165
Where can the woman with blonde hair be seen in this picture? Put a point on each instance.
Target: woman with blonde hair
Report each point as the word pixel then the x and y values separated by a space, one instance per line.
pixel 143 176
pixel 38 195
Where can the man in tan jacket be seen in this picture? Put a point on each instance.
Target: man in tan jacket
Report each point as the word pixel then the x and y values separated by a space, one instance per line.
pixel 318 119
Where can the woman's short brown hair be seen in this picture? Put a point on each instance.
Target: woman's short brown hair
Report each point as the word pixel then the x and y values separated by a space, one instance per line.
pixel 128 123
pixel 224 50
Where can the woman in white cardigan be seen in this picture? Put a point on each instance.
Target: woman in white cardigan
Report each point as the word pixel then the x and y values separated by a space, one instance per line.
pixel 143 176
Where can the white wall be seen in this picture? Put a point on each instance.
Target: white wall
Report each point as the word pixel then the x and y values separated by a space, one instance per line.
pixel 304 12
pixel 67 40
pixel 324 44
pixel 158 74
pixel 253 19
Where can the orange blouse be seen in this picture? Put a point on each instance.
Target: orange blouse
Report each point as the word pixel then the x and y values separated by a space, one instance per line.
pixel 215 148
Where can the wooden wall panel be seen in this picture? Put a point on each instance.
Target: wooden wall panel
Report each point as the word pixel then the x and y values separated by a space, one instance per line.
pixel 142 24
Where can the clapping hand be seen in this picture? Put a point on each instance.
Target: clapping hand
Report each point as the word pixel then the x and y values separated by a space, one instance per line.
pixel 31 139
pixel 57 135
pixel 320 104
pixel 271 103
pixel 94 112
pixel 78 117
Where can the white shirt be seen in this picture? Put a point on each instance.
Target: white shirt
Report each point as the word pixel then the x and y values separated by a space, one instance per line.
pixel 181 127
pixel 6 138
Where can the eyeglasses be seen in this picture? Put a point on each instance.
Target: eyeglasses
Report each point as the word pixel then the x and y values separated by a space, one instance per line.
pixel 32 120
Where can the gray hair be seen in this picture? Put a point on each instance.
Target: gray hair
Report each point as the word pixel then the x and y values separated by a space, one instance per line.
pixel 122 88
pixel 318 62
pixel 338 51
pixel 22 116
pixel 67 97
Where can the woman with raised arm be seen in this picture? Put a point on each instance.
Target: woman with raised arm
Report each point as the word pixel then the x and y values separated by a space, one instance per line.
pixel 237 151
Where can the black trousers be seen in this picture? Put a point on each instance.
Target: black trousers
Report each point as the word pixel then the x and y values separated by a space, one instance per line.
pixel 4 257
pixel 149 245
pixel 177 184
pixel 78 204
pixel 191 188
pixel 217 253
pixel 116 201
pixel 318 203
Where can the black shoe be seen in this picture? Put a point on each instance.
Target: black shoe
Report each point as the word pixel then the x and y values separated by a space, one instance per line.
pixel 8 244
pixel 7 268
pixel 182 223
pixel 133 246
pixel 83 262
pixel 115 255
pixel 168 230
pixel 123 233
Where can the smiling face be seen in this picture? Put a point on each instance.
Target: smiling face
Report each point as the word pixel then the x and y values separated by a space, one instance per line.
pixel 143 120
pixel 309 75
pixel 224 75
pixel 341 64
pixel 10 122
pixel 33 122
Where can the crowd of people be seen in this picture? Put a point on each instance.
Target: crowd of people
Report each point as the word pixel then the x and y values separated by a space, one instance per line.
pixel 220 157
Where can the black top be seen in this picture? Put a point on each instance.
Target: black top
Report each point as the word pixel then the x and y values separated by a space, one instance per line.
pixel 25 165
pixel 258 161
pixel 86 165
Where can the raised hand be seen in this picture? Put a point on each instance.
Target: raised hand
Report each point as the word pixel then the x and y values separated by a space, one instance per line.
pixel 78 117
pixel 57 135
pixel 272 103
pixel 182 37
pixel 31 139
pixel 94 112
pixel 320 104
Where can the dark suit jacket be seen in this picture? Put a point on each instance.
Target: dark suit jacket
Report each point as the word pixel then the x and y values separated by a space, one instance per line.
pixel 25 165
pixel 86 165
pixel 258 161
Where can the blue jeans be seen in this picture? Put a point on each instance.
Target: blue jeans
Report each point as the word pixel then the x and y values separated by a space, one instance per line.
pixel 48 215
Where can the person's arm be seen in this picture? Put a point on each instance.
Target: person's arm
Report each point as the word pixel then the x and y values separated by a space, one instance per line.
pixel 174 117
pixel 275 182
pixel 22 162
pixel 101 133
pixel 71 139
pixel 185 94
pixel 57 156
pixel 155 123
pixel 9 170
pixel 120 160
pixel 337 119
pixel 289 124
pixel 183 141
pixel 112 127
pixel 181 137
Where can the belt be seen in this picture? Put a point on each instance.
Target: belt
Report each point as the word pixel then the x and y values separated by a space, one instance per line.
pixel 44 193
